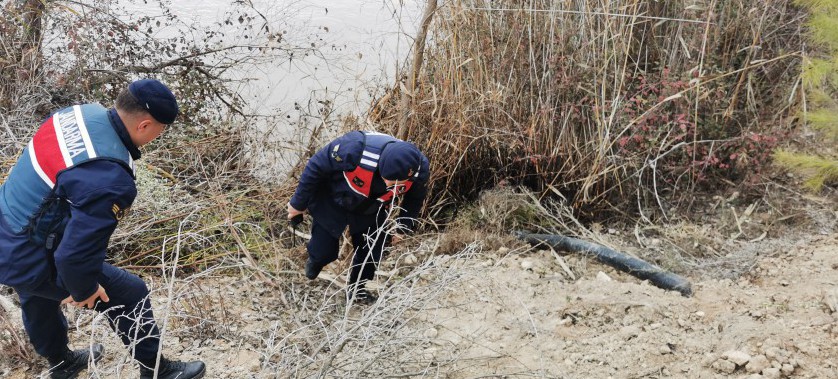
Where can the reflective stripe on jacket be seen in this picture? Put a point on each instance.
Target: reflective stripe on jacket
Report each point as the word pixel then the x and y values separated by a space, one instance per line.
pixel 331 188
pixel 360 179
pixel 68 138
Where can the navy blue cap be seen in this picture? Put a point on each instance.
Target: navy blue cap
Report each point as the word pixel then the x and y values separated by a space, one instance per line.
pixel 156 98
pixel 399 161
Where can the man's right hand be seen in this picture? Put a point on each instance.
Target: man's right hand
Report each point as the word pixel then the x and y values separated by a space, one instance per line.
pixel 90 302
pixel 293 212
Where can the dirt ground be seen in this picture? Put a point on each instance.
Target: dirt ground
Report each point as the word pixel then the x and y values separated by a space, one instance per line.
pixel 507 312
pixel 522 315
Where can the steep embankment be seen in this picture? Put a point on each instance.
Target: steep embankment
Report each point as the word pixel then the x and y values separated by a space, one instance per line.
pixel 502 313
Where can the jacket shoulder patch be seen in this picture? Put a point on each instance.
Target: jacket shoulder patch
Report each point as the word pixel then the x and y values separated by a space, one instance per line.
pixel 335 155
pixel 118 212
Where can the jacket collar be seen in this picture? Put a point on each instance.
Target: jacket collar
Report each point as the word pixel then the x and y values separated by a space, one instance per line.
pixel 122 131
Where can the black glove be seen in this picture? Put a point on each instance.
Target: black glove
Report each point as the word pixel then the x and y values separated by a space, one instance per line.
pixel 296 220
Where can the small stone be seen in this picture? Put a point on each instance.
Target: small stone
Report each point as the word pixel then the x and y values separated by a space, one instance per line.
pixel 739 358
pixel 771 373
pixel 603 277
pixel 787 369
pixel 431 333
pixel 757 364
pixel 527 264
pixel 724 366
pixel 772 352
pixel 503 250
pixel 699 314
pixel 663 350
pixel 410 259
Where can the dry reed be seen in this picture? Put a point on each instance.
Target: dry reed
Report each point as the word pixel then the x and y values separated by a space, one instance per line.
pixel 615 105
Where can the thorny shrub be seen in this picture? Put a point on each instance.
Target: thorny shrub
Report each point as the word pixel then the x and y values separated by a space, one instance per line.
pixel 703 150
pixel 92 50
pixel 87 51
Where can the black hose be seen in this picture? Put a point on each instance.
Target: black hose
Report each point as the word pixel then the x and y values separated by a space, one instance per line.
pixel 620 261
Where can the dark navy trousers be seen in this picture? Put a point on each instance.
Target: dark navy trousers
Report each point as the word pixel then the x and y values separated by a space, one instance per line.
pixel 128 311
pixel 368 241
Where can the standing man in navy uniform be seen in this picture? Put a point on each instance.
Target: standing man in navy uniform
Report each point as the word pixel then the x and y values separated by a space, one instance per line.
pixel 352 182
pixel 58 209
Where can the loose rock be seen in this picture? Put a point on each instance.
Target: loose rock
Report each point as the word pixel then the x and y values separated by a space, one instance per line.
pixel 431 333
pixel 603 277
pixel 724 366
pixel 739 358
pixel 757 364
pixel 527 264
pixel 771 373
pixel 787 369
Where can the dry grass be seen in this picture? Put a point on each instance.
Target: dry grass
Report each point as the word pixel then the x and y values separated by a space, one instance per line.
pixel 508 96
pixel 296 330
pixel 13 341
pixel 541 95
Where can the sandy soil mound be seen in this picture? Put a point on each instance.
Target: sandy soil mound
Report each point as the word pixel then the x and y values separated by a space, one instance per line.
pixel 502 314
pixel 521 315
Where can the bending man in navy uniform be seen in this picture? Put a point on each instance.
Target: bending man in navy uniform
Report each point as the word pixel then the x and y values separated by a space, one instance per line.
pixel 352 182
pixel 58 209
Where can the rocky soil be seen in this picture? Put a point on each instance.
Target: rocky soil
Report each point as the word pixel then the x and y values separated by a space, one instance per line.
pixel 522 314
pixel 504 312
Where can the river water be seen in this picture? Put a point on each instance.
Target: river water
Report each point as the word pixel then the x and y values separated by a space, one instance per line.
pixel 355 49
pixel 345 53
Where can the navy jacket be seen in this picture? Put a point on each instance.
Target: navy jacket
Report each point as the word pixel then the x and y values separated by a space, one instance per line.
pixel 324 192
pixel 95 196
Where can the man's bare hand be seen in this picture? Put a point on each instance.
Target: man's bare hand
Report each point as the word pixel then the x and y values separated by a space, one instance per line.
pixel 90 302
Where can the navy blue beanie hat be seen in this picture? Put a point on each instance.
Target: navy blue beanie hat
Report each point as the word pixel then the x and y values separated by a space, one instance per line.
pixel 399 161
pixel 156 98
